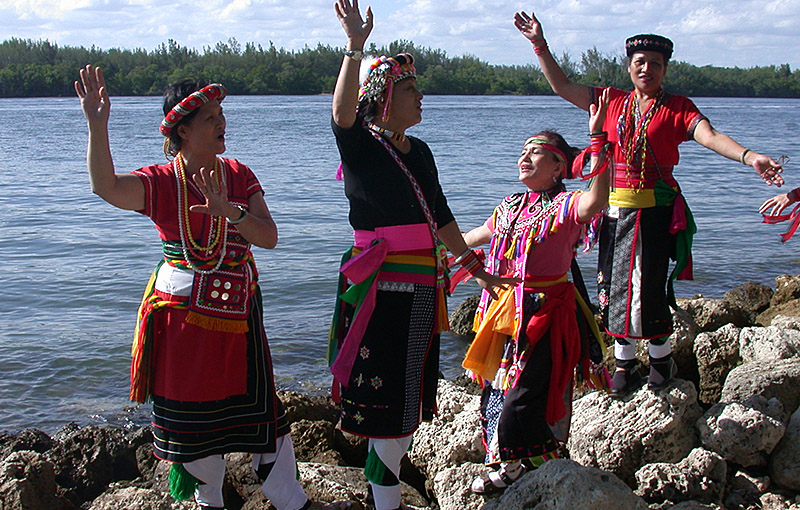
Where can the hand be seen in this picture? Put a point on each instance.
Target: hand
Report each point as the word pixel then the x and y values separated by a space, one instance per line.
pixel 597 113
pixel 92 92
pixel 355 28
pixel 488 282
pixel 529 26
pixel 216 193
pixel 778 203
pixel 768 169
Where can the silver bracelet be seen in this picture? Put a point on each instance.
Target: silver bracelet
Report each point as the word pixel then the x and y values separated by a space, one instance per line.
pixel 742 155
pixel 241 216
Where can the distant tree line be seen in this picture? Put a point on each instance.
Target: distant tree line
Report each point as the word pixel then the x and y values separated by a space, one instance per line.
pixel 31 68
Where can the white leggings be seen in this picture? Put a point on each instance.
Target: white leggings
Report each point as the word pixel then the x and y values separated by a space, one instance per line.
pixel 390 452
pixel 281 486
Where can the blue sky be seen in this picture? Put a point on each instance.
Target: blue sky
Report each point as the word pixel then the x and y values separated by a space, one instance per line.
pixel 741 33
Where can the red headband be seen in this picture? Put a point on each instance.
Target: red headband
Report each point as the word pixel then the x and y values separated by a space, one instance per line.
pixel 191 102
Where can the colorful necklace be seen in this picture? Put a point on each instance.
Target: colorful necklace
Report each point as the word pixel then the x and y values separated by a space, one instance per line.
pixel 217 230
pixel 632 133
pixel 399 137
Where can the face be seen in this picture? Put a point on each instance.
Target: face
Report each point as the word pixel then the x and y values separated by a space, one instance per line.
pixel 647 70
pixel 406 105
pixel 205 131
pixel 538 167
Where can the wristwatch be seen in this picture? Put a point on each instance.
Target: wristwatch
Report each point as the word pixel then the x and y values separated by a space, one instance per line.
pixel 354 54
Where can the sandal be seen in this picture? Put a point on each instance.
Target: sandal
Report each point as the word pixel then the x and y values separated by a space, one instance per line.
pixel 486 484
pixel 626 378
pixel 662 371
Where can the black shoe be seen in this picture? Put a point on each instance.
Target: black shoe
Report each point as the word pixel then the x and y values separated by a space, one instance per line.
pixel 662 371
pixel 624 381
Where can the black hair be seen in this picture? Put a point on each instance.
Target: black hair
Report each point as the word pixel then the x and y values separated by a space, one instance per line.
pixel 570 152
pixel 174 94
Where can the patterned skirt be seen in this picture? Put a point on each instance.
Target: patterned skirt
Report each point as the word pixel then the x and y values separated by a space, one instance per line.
pixel 213 392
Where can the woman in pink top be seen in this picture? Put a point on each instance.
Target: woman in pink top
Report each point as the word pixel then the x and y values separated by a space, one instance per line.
pixel 528 341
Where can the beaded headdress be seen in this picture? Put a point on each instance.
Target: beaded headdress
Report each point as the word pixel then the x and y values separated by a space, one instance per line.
pixel 191 102
pixel 648 42
pixel 383 74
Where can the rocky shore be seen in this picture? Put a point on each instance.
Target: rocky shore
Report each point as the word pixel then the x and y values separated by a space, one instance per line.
pixel 725 434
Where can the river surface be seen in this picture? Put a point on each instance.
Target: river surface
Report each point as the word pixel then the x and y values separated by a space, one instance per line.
pixel 77 266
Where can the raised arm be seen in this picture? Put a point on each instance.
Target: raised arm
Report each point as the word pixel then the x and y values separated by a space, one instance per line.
pixel 125 191
pixel 766 167
pixel 345 94
pixel 596 198
pixel 576 93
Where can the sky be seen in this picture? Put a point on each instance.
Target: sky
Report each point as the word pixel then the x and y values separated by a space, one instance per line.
pixel 730 33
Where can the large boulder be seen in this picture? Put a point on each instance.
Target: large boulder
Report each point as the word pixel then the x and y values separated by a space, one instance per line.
pixel 699 477
pixel 560 484
pixel 711 314
pixel 622 435
pixel 787 288
pixel 684 332
pixel 770 378
pixel 138 498
pixel 786 322
pixel 452 487
pixel 743 433
pixel 463 317
pixel 454 435
pixel 784 464
pixel 788 309
pixel 28 482
pixel 717 353
pixel 768 343
pixel 751 297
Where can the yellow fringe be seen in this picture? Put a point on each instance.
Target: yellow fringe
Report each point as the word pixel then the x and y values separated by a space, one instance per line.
pixel 217 324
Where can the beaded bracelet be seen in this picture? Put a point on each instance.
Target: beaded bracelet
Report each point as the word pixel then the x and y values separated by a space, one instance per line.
pixel 538 50
pixel 598 140
pixel 471 263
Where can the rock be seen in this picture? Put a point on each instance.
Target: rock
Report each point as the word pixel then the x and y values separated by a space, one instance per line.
pixel 458 421
pixel 684 333
pixel 789 309
pixel 784 464
pixel 717 353
pixel 27 482
pixel 743 433
pixel 314 442
pixel 699 477
pixel 711 314
pixel 560 484
pixel 90 459
pixel 786 322
pixel 137 498
pixel 463 317
pixel 751 297
pixel 768 343
pixel 745 490
pixel 306 407
pixel 452 487
pixel 772 501
pixel 787 288
pixel 622 435
pixel 694 505
pixel 771 378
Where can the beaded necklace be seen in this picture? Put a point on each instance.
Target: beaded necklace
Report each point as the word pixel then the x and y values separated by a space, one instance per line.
pixel 217 230
pixel 632 131
pixel 391 134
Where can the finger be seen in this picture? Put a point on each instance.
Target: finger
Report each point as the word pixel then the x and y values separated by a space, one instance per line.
pixel 369 17
pixel 79 89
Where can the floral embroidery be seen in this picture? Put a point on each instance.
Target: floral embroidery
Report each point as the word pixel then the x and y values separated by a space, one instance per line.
pixel 600 278
pixel 364 352
pixel 357 417
pixel 359 380
pixel 376 382
pixel 602 297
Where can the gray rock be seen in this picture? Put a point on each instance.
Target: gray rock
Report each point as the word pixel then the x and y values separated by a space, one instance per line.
pixel 452 487
pixel 463 317
pixel 717 353
pixel 771 378
pixel 744 490
pixel 560 484
pixel 621 436
pixel 699 477
pixel 27 482
pixel 684 332
pixel 137 498
pixel 711 314
pixel 694 505
pixel 768 343
pixel 743 433
pixel 786 322
pixel 773 501
pixel 751 297
pixel 789 309
pixel 784 464
pixel 453 437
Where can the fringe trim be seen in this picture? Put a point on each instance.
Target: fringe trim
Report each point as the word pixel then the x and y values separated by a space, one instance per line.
pixel 181 482
pixel 216 323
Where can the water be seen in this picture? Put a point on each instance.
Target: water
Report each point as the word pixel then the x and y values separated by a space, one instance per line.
pixel 75 266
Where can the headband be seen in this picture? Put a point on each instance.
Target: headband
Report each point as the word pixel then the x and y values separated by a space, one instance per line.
pixel 383 74
pixel 545 144
pixel 190 103
pixel 648 42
